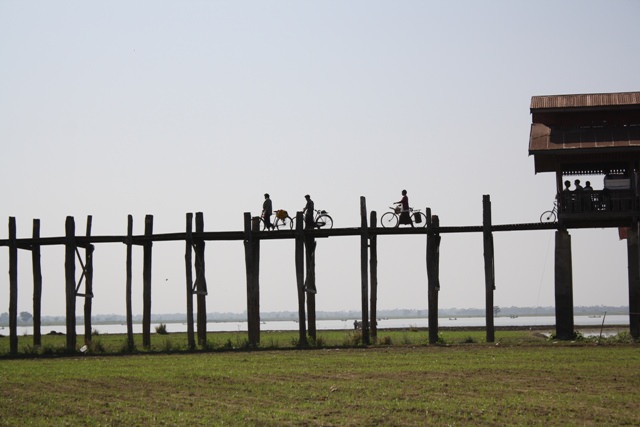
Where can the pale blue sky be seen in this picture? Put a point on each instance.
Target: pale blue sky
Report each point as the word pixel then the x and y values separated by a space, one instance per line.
pixel 166 107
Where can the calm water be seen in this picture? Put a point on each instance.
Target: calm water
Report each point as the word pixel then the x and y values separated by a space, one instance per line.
pixel 581 322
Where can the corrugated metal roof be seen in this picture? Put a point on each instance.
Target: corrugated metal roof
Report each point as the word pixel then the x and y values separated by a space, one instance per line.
pixel 585 100
pixel 543 138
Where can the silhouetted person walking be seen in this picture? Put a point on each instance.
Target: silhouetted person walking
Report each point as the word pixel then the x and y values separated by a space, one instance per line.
pixel 308 211
pixel 267 210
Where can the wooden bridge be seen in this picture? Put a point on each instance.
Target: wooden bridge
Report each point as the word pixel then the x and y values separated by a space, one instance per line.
pixel 305 244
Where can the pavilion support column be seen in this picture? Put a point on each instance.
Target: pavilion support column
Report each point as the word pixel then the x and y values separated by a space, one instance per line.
pixel 433 273
pixel 564 286
pixel 146 281
pixel 373 275
pixel 364 270
pixel 489 269
pixel 13 287
pixel 299 260
pixel 201 281
pixel 252 261
pixel 70 282
pixel 634 281
pixel 37 284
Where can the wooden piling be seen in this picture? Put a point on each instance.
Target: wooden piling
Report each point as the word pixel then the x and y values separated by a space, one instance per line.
pixel 13 288
pixel 201 281
pixel 128 283
pixel 37 284
pixel 191 343
pixel 433 273
pixel 88 294
pixel 364 270
pixel 252 261
pixel 299 261
pixel 489 267
pixel 70 282
pixel 310 284
pixel 373 273
pixel 146 282
pixel 634 281
pixel 564 286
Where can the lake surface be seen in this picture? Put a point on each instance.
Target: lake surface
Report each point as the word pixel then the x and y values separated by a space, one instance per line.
pixel 581 322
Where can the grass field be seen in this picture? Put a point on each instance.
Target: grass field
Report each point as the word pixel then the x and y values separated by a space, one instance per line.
pixel 524 380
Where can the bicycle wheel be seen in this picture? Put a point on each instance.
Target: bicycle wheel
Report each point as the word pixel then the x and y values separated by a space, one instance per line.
pixel 419 219
pixel 262 226
pixel 284 223
pixel 324 221
pixel 548 216
pixel 389 220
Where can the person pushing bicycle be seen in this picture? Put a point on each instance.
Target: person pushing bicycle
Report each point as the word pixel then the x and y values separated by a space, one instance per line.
pixel 405 213
pixel 267 210
pixel 308 211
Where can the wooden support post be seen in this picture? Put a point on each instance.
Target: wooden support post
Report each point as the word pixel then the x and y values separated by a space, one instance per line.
pixel 299 260
pixel 633 254
pixel 489 267
pixel 37 284
pixel 201 281
pixel 70 281
pixel 433 273
pixel 191 343
pixel 564 286
pixel 13 287
pixel 129 308
pixel 373 272
pixel 88 295
pixel 310 283
pixel 252 261
pixel 146 282
pixel 364 270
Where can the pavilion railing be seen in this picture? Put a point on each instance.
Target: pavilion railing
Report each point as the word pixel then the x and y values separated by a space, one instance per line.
pixel 598 202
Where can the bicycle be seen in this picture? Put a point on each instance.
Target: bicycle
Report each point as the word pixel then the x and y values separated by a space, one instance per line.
pixel 550 215
pixel 280 219
pixel 392 219
pixel 322 219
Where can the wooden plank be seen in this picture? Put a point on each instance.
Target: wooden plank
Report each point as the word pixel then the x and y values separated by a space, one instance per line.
pixel 191 343
pixel 129 279
pixel 201 281
pixel 299 261
pixel 373 273
pixel 82 241
pixel 13 288
pixel 37 285
pixel 88 298
pixel 70 282
pixel 489 270
pixel 364 271
pixel 146 283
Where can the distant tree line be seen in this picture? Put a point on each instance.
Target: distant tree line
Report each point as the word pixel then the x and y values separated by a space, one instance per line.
pixel 25 318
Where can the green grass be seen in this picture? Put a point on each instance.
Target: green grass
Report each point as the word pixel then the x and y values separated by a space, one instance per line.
pixel 53 345
pixel 458 384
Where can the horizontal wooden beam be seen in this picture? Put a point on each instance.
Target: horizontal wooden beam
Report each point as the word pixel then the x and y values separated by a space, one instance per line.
pixel 84 241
